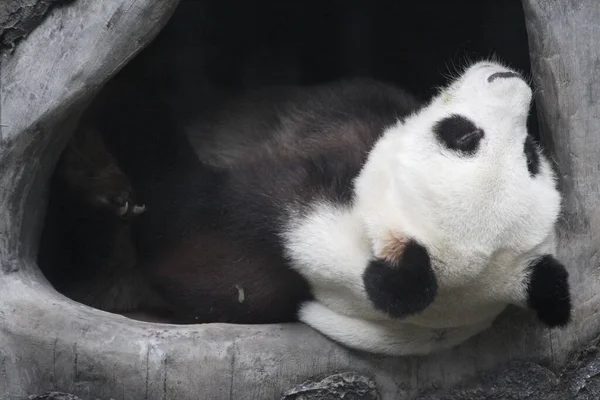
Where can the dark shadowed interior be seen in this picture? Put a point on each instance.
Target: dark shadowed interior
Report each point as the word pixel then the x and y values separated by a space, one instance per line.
pixel 234 45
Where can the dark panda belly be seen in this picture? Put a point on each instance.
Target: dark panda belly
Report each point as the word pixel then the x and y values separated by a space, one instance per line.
pixel 210 240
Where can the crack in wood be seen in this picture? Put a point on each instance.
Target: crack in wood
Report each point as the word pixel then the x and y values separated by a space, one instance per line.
pixel 165 362
pixel 75 366
pixel 54 363
pixel 233 351
pixel 147 383
pixel 4 374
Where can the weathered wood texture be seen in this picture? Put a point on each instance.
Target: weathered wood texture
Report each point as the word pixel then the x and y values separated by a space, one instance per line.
pixel 518 380
pixel 564 42
pixel 19 17
pixel 50 343
pixel 54 396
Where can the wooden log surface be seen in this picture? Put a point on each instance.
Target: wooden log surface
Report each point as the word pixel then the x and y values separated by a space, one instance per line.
pixel 48 343
pixel 19 17
pixel 564 42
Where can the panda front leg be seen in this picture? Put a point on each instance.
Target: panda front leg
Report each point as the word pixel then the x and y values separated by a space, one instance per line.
pixel 401 282
pixel 90 172
pixel 330 248
pixel 548 292
pixel 543 287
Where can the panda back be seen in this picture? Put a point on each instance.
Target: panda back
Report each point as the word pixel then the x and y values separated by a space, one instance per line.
pixel 297 147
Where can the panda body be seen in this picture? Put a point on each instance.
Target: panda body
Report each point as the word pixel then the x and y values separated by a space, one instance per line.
pixel 270 156
pixel 389 225
pixel 473 209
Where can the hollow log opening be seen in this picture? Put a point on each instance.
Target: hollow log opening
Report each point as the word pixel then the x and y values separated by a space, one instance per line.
pixel 193 53
pixel 199 58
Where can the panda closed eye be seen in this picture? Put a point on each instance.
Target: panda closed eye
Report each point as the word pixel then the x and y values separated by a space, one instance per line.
pixel 459 133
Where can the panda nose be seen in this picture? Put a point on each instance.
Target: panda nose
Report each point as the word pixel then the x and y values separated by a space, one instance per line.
pixel 503 75
pixel 511 91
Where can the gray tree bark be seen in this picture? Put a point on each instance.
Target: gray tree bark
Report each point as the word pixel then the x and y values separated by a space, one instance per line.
pixel 564 42
pixel 19 17
pixel 49 343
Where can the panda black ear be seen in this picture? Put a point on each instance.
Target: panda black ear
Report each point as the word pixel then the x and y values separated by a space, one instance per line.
pixel 548 291
pixel 404 286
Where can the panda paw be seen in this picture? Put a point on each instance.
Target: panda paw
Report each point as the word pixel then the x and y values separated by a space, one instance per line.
pixel 129 210
pixel 404 287
pixel 117 200
pixel 548 292
pixel 122 204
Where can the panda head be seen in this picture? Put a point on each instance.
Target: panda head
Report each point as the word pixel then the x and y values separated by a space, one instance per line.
pixel 462 178
pixel 466 176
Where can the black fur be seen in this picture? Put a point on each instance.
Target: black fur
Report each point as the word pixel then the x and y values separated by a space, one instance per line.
pixel 403 287
pixel 548 291
pixel 532 156
pixel 311 146
pixel 85 248
pixel 503 75
pixel 458 133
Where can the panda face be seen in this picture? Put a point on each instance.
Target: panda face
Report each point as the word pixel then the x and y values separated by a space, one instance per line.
pixel 467 181
pixel 484 110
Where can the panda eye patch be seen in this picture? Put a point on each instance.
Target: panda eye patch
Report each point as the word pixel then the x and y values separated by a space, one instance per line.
pixel 458 133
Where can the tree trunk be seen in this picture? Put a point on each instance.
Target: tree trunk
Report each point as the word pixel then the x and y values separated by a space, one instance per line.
pixel 51 344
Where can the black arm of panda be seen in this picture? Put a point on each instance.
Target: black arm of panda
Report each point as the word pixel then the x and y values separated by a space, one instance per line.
pixel 401 287
pixel 548 291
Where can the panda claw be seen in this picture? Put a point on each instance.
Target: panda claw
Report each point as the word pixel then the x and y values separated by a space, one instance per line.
pixel 138 209
pixel 123 210
pixel 127 211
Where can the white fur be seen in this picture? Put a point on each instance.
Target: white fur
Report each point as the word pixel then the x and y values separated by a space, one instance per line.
pixel 385 336
pixel 482 219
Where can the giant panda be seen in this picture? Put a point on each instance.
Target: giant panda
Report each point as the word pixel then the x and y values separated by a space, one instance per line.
pixel 386 224
pixel 455 209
